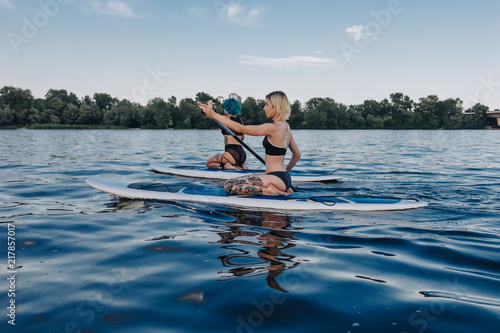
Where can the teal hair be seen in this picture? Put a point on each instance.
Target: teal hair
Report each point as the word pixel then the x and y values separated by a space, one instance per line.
pixel 232 107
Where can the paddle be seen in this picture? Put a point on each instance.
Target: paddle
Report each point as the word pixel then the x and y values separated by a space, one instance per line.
pixel 331 173
pixel 225 128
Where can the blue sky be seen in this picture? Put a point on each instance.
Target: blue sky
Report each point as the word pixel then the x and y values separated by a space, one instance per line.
pixel 346 50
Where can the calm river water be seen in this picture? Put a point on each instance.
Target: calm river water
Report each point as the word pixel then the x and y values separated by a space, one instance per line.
pixel 80 260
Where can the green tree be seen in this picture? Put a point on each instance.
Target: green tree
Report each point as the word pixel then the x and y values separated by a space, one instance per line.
pixel 386 110
pixel 401 110
pixel 63 95
pixel 296 115
pixel 40 105
pixel 480 111
pixel 337 115
pixel 315 113
pixel 59 101
pixel 84 115
pixel 374 122
pixel 316 117
pixel 399 100
pixel 32 116
pixel 356 120
pixel 70 114
pixel 16 98
pixel 177 116
pixel 369 107
pixel 427 108
pixel 19 101
pixel 203 97
pixel 110 118
pixel 148 117
pixel 104 101
pixel 173 108
pixel 312 103
pixel 88 101
pixel 190 112
pixel 95 115
pixel 388 122
pixel 49 117
pixel 65 106
pixel 127 113
pixel 199 120
pixel 56 106
pixel 252 111
pixel 6 116
pixel 160 112
pixel 450 113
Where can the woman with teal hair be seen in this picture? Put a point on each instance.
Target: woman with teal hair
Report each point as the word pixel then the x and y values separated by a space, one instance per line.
pixel 234 156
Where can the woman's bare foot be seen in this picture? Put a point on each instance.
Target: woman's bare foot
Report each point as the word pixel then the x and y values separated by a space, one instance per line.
pixel 272 190
pixel 229 166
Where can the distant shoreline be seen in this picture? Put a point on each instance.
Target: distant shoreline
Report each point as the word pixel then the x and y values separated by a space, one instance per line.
pixel 99 127
pixel 62 110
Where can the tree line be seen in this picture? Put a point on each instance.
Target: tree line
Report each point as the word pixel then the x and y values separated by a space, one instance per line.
pixel 60 109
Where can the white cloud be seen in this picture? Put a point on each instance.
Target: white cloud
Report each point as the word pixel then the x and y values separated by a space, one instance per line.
pixel 234 10
pixel 6 3
pixel 356 31
pixel 111 7
pixel 291 61
pixel 196 11
pixel 237 14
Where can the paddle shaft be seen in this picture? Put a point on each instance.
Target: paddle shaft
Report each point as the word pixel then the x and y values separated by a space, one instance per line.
pixel 225 128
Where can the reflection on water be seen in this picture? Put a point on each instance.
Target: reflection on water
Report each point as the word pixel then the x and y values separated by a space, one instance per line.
pixel 260 250
pixel 256 241
pixel 193 296
pixel 123 204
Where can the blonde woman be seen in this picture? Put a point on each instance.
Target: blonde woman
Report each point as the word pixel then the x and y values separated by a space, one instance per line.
pixel 277 139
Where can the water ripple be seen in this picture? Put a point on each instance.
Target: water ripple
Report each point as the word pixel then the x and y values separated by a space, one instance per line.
pixel 463 298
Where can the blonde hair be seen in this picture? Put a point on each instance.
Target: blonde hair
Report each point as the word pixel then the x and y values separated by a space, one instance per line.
pixel 281 104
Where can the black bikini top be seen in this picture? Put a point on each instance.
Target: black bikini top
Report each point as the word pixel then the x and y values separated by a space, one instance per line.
pixel 236 119
pixel 275 150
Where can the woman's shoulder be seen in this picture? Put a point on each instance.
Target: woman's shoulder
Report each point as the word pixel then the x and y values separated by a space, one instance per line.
pixel 282 124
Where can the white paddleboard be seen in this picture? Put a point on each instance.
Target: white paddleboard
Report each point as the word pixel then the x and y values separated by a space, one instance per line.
pixel 301 201
pixel 203 172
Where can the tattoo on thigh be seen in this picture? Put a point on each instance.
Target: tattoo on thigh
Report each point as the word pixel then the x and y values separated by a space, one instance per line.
pixel 251 190
pixel 255 180
pixel 250 185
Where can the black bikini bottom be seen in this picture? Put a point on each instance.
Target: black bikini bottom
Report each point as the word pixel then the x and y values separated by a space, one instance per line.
pixel 237 153
pixel 284 176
